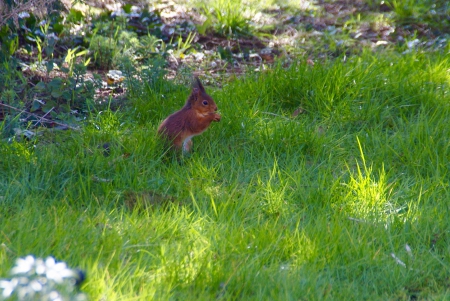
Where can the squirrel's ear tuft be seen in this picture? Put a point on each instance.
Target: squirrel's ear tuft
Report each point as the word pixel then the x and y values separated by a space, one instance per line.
pixel 197 85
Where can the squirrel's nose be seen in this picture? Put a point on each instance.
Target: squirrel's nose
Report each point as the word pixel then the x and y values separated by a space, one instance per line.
pixel 215 109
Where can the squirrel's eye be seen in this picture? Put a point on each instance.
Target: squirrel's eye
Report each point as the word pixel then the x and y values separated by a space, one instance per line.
pixel 205 102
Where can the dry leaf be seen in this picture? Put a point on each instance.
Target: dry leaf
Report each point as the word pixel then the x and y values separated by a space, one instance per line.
pixel 298 111
pixel 145 199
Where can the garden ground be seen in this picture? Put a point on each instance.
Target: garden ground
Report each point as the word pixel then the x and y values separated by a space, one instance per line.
pixel 327 178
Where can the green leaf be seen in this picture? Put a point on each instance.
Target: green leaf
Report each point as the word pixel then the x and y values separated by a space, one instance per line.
pixel 67 95
pixel 84 52
pixel 58 28
pixel 64 109
pixel 35 106
pixel 75 15
pixel 203 28
pixel 48 106
pixel 56 84
pixel 4 32
pixel 127 8
pixel 49 50
pixel 41 86
pixel 56 93
pixel 49 65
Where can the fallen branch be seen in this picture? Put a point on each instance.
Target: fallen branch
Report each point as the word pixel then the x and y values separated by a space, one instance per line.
pixel 41 118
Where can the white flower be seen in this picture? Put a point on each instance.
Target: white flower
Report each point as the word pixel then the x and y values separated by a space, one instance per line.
pixel 54 296
pixel 36 285
pixel 24 15
pixel 35 279
pixel 50 262
pixel 40 267
pixel 8 287
pixel 23 265
pixel 57 271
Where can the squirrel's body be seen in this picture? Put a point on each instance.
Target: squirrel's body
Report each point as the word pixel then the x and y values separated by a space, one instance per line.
pixel 192 120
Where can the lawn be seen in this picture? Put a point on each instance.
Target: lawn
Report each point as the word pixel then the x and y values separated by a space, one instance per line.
pixel 323 181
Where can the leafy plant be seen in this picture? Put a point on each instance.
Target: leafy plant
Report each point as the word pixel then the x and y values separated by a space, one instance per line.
pixel 70 59
pixel 182 46
pixel 150 46
pixel 9 43
pixel 228 17
pixel 107 51
pixel 103 50
pixel 407 9
pixel 14 84
pixel 67 94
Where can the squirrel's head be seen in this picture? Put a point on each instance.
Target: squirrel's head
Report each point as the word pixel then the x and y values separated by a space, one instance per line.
pixel 201 102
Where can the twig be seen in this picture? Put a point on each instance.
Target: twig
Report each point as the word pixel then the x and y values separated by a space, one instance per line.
pixel 277 115
pixel 398 261
pixel 41 118
pixel 356 220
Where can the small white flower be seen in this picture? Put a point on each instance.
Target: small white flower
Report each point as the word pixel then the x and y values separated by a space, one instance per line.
pixel 413 43
pixel 24 15
pixel 54 296
pixel 57 271
pixel 55 276
pixel 8 287
pixel 52 36
pixel 36 285
pixel 23 265
pixel 135 15
pixel 61 267
pixel 50 262
pixel 40 267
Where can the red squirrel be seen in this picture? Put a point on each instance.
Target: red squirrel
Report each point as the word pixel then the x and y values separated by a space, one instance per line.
pixel 192 120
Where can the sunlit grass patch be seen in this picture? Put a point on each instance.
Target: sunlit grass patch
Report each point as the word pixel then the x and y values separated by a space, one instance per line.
pixel 230 18
pixel 369 194
pixel 273 192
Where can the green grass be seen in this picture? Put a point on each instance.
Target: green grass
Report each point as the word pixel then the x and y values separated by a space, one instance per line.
pixel 226 17
pixel 269 206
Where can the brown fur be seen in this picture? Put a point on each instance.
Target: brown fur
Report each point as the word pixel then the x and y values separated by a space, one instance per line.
pixel 192 120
